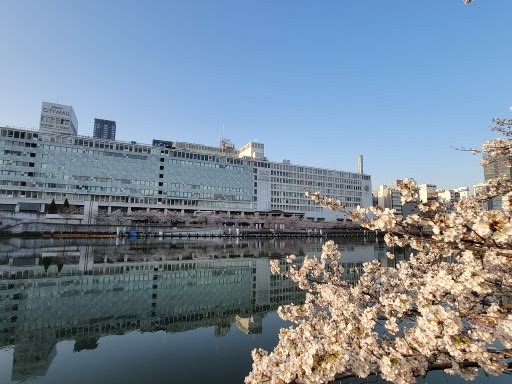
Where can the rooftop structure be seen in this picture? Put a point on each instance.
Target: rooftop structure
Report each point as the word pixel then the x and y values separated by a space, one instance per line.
pixel 58 119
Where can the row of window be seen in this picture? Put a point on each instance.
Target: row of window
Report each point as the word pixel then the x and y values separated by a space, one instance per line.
pixel 332 194
pixel 319 184
pixel 10 153
pixel 332 176
pixel 208 165
pixel 94 143
pixel 19 134
pixel 17 163
pixel 53 120
pixel 204 187
pixel 59 148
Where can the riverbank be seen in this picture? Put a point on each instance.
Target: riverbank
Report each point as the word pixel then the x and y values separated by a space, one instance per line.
pixel 149 231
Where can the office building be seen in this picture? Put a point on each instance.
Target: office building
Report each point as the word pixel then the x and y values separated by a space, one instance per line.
pixel 453 195
pixel 58 119
pixel 481 189
pixel 104 129
pixel 498 167
pixel 390 197
pixel 38 166
pixel 427 192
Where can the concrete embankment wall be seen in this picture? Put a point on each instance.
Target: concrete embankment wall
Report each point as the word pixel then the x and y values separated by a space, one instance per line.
pixel 41 228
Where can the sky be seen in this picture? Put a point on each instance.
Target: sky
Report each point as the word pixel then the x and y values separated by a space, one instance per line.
pixel 401 82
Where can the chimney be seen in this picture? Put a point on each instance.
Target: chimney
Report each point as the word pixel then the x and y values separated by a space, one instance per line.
pixel 360 164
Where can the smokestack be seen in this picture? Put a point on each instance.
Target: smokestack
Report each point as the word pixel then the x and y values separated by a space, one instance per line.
pixel 360 164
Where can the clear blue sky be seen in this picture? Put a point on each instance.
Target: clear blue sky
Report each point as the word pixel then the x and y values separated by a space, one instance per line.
pixel 318 82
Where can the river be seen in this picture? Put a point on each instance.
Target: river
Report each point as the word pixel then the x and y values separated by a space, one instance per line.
pixel 147 311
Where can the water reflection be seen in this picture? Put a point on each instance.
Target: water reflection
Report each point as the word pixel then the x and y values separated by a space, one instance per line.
pixel 82 290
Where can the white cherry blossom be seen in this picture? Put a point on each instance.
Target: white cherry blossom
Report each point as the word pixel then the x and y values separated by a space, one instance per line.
pixel 447 307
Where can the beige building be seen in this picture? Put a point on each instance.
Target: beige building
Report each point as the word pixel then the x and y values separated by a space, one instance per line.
pixel 427 192
pixel 453 195
pixel 388 197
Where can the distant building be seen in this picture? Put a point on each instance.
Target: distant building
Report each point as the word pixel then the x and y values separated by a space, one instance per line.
pixel 58 119
pixel 427 192
pixel 453 195
pixel 499 167
pixel 409 208
pixel 482 189
pixel 390 197
pixel 104 129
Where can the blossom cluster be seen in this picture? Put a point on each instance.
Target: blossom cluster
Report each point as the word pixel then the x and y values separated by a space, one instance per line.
pixel 448 306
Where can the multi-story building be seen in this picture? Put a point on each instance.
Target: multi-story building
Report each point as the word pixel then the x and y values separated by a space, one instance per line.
pixel 481 189
pixel 38 166
pixel 58 119
pixel 453 195
pixel 427 192
pixel 389 198
pixel 498 167
pixel 104 129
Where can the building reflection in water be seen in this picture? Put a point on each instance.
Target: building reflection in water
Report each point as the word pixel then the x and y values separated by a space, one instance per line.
pixel 53 290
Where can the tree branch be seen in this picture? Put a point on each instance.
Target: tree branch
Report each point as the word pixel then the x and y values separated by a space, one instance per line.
pixel 432 367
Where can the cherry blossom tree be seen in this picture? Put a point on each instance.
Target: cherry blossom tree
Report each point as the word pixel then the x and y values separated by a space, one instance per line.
pixel 448 307
pixel 115 217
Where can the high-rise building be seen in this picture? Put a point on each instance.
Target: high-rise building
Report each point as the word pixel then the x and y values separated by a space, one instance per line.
pixel 498 167
pixel 104 129
pixel 481 189
pixel 58 119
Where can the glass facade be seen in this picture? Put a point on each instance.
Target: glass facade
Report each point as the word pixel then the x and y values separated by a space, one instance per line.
pixel 36 167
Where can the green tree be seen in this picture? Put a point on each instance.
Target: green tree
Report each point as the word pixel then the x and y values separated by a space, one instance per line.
pixel 52 208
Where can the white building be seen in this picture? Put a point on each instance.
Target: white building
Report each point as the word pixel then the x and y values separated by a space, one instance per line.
pixel 453 195
pixel 57 118
pixel 427 192
pixel 482 189
pixel 389 198
pixel 54 163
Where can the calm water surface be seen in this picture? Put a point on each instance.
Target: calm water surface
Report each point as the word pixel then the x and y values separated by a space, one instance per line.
pixel 147 311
